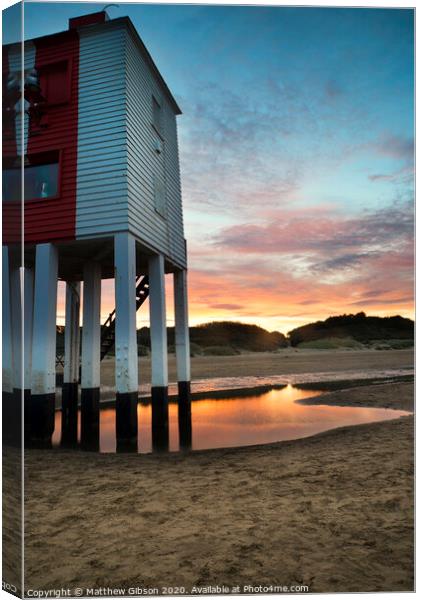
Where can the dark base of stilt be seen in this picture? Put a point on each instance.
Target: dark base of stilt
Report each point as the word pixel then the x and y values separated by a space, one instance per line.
pixel 69 402
pixel 26 406
pixel 89 419
pixel 184 414
pixel 123 446
pixel 126 422
pixel 12 418
pixel 160 430
pixel 184 391
pixel 39 419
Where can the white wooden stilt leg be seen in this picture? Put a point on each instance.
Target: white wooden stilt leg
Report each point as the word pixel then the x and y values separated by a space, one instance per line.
pixel 17 324
pixel 91 349
pixel 159 353
pixel 22 306
pixel 126 360
pixel 43 380
pixel 28 315
pixel 12 403
pixel 44 327
pixel 72 333
pixel 158 322
pixel 7 352
pixel 7 348
pixel 71 365
pixel 182 340
pixel 182 350
pixel 125 301
pixel 91 332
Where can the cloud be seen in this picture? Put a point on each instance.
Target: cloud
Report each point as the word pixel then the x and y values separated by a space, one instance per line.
pixel 333 89
pixel 274 177
pixel 344 261
pixel 227 306
pixel 404 175
pixel 387 301
pixel 234 154
pixel 270 292
pixel 321 259
pixel 396 147
pixel 322 234
pixel 381 177
pixel 258 143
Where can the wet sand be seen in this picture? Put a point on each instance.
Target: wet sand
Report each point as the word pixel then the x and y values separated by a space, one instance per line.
pixel 334 511
pixel 289 360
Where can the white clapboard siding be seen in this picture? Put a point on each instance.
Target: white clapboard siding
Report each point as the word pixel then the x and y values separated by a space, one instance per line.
pixel 123 183
pixel 147 169
pixel 101 206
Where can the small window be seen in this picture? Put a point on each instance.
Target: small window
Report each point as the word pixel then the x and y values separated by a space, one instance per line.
pixel 157 118
pixel 12 184
pixel 159 196
pixel 54 81
pixel 41 178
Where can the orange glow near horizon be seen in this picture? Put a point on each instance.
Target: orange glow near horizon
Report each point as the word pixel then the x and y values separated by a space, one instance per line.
pixel 262 310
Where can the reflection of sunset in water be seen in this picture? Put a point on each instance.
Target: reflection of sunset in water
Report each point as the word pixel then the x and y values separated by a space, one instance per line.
pixel 246 420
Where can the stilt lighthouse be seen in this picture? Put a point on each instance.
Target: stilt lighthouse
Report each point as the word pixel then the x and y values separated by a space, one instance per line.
pixel 92 125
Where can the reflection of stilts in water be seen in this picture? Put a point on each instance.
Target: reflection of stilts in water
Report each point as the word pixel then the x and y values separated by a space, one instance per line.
pixel 184 417
pixel 126 423
pixel 69 433
pixel 160 439
pixel 12 418
pixel 124 446
pixel 160 427
pixel 69 413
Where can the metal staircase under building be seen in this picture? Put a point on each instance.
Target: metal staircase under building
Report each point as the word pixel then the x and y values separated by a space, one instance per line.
pixel 108 328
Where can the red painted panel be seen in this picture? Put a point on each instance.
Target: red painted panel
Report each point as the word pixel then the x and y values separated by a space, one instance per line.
pixel 54 81
pixel 53 219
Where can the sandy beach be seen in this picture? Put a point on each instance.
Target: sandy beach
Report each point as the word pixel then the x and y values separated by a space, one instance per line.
pixel 289 360
pixel 334 511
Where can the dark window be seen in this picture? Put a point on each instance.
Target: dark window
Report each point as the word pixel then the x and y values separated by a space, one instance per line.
pixel 41 179
pixel 157 115
pixel 159 196
pixel 12 185
pixel 54 81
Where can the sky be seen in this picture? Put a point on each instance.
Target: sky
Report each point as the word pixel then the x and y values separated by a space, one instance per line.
pixel 296 151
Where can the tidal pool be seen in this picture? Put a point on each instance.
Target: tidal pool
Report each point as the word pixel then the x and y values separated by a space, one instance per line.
pixel 258 418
